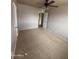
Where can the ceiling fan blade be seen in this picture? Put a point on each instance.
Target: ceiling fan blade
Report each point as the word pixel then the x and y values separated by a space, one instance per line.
pixel 53 6
pixel 51 2
pixel 47 1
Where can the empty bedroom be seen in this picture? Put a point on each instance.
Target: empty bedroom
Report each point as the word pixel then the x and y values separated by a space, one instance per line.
pixel 39 29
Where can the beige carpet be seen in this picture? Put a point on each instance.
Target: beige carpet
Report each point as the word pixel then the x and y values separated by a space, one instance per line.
pixel 40 44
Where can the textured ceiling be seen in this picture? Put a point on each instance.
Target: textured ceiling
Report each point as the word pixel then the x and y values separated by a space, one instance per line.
pixel 40 3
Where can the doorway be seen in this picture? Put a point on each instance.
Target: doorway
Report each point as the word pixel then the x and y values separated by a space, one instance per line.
pixel 41 18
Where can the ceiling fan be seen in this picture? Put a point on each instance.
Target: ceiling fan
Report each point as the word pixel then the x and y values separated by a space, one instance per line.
pixel 48 3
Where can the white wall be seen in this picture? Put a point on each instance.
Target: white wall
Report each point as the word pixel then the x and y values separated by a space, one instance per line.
pixel 58 21
pixel 27 17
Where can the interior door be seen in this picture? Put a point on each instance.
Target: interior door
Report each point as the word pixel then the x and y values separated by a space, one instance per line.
pixel 14 18
pixel 14 28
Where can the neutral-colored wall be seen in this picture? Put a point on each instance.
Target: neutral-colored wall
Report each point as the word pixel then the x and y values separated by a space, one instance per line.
pixel 58 21
pixel 27 17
